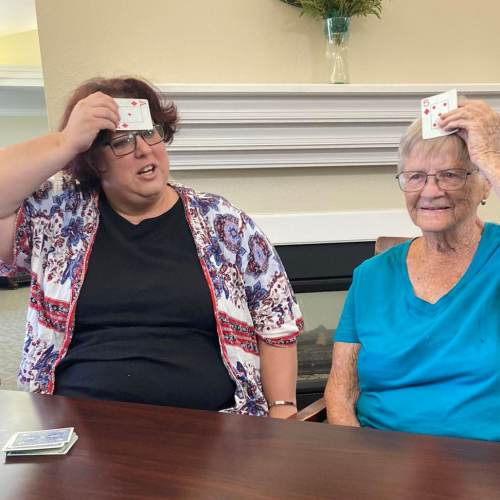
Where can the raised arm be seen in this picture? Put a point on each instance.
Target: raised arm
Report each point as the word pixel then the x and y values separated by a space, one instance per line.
pixel 479 126
pixel 342 389
pixel 24 166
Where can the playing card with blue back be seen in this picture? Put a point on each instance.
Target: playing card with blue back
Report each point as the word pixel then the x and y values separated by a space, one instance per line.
pixel 51 438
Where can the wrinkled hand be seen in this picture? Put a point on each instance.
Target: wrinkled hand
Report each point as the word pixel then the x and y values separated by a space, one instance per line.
pixel 479 126
pixel 96 112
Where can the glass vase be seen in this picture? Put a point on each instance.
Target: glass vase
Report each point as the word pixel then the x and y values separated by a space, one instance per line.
pixel 337 38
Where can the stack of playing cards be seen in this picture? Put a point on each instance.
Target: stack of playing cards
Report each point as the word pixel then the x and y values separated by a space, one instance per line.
pixel 134 114
pixel 48 442
pixel 431 110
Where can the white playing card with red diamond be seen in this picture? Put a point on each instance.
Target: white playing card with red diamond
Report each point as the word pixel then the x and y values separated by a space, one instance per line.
pixel 134 114
pixel 432 108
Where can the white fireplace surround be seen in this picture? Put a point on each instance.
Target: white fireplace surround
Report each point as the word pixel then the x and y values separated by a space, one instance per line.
pixel 286 126
pixel 282 126
pixel 335 227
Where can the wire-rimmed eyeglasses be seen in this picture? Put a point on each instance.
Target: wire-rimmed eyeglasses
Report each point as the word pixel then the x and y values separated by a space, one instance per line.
pixel 125 144
pixel 447 180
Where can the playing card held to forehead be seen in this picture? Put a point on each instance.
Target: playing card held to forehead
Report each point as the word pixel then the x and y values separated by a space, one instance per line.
pixel 134 114
pixel 431 110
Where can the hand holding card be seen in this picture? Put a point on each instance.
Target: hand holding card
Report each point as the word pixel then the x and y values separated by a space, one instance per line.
pixel 134 114
pixel 431 110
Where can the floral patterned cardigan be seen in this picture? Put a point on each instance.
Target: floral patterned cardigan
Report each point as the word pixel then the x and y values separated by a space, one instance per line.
pixel 250 292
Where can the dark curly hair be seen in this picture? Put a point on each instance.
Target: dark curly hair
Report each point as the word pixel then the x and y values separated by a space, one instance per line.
pixel 83 167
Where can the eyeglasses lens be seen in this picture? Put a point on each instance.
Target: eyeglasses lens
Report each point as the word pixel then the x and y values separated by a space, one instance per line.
pixel 126 144
pixel 448 180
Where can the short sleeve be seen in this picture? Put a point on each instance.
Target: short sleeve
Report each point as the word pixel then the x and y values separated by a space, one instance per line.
pixel 31 221
pixel 22 243
pixel 275 313
pixel 346 329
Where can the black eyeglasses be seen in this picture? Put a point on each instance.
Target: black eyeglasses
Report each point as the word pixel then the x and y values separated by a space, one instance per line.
pixel 447 180
pixel 125 144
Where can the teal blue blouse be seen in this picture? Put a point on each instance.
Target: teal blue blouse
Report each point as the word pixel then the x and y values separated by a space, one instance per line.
pixel 427 368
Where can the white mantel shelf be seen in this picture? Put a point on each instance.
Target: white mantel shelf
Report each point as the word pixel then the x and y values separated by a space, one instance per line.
pixel 245 126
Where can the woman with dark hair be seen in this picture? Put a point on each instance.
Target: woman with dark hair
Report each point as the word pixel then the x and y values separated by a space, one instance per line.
pixel 142 289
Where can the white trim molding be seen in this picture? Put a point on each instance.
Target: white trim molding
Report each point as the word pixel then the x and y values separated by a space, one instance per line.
pixel 21 91
pixel 271 126
pixel 21 76
pixel 283 126
pixel 335 227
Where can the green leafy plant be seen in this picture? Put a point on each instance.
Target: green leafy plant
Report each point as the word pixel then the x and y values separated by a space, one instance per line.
pixel 321 9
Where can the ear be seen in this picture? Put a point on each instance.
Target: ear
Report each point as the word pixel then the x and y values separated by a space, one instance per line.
pixel 486 189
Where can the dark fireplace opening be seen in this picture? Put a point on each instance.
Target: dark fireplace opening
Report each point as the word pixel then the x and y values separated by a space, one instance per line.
pixel 320 275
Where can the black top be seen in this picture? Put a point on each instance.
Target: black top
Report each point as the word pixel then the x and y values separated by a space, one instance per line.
pixel 144 327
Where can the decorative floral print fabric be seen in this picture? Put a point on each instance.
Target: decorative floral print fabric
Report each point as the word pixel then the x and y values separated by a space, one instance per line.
pixel 250 291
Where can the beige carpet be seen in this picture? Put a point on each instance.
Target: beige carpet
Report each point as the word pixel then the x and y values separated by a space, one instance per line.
pixel 13 304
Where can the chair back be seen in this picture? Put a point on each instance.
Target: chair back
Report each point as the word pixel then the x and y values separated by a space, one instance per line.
pixel 383 243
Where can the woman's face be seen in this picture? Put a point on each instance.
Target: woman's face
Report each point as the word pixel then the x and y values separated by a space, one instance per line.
pixel 137 179
pixel 433 209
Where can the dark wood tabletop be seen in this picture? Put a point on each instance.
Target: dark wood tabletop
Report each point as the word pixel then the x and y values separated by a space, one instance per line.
pixel 135 451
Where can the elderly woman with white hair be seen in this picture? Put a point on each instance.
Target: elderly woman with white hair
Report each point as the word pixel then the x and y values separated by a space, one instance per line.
pixel 417 348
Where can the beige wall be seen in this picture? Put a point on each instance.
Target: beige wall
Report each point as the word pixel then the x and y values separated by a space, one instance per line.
pixel 20 49
pixel 173 41
pixel 14 129
pixel 266 41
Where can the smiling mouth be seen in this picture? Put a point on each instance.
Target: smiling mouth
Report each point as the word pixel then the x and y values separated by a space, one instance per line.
pixel 434 209
pixel 148 169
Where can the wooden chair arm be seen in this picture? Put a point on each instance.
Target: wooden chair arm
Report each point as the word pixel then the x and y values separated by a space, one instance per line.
pixel 315 412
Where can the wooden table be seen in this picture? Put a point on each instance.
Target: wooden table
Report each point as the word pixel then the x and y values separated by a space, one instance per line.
pixel 137 451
